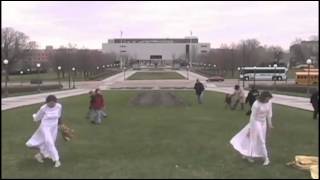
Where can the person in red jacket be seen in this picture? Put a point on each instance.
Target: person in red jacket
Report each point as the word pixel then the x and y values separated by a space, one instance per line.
pixel 98 106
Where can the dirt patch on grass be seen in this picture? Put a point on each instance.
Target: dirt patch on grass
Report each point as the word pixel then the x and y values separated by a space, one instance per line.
pixel 157 98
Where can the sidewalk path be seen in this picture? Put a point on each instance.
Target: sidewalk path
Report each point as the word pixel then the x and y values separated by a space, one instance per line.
pixel 13 102
pixel 118 79
pixel 291 101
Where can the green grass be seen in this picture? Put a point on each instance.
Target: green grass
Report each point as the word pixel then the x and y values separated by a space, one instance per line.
pixel 148 142
pixel 155 75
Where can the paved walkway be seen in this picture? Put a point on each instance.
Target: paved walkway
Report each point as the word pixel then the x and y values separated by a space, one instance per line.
pixel 117 81
pixel 292 101
pixel 81 88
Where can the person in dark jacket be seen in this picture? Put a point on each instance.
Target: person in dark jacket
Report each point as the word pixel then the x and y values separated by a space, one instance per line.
pixel 199 91
pixel 252 96
pixel 98 106
pixel 314 100
pixel 90 112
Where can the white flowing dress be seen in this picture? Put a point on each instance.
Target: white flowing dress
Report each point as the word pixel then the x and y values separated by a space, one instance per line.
pixel 45 136
pixel 254 145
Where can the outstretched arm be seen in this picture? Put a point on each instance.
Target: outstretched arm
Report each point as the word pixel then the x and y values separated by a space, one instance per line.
pixel 39 115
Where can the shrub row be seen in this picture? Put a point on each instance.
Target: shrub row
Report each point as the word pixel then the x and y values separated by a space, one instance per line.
pixel 104 74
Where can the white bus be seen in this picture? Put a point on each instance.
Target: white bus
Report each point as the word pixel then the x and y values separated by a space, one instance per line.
pixel 263 73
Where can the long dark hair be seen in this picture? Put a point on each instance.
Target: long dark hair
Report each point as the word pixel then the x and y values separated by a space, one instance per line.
pixel 51 98
pixel 264 96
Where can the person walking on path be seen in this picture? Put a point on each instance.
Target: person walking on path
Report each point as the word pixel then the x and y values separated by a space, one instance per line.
pixel 238 97
pixel 250 142
pixel 98 106
pixel 252 96
pixel 45 136
pixel 199 91
pixel 314 100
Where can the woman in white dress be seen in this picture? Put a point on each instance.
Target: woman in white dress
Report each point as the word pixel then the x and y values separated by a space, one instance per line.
pixel 45 136
pixel 251 140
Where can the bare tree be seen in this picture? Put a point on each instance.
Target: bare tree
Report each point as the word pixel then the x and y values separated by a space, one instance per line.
pixel 296 41
pixel 248 49
pixel 297 55
pixel 277 53
pixel 14 46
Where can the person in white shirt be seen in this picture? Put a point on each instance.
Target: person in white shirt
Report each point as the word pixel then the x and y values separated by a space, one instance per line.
pixel 250 142
pixel 237 97
pixel 45 136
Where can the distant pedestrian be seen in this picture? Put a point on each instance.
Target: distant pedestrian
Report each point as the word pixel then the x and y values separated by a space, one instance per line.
pixel 314 100
pixel 252 96
pixel 250 142
pixel 238 97
pixel 90 113
pixel 199 91
pixel 98 106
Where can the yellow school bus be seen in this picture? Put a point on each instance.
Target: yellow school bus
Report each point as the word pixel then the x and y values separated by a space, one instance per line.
pixel 311 70
pixel 304 77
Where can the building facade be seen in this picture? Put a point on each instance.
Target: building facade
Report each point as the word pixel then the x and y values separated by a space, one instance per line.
pixel 159 51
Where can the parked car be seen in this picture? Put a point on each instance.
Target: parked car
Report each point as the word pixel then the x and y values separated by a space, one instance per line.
pixel 215 78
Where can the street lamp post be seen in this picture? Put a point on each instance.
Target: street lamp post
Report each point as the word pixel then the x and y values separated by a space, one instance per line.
pixel 190 48
pixel 21 73
pixel 6 62
pixel 239 76
pixel 121 63
pixel 188 72
pixel 124 73
pixel 38 68
pixel 74 73
pixel 59 69
pixel 98 69
pixel 241 71
pixel 254 76
pixel 309 61
pixel 275 74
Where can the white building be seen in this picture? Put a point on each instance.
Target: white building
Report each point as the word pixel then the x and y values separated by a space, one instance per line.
pixel 159 51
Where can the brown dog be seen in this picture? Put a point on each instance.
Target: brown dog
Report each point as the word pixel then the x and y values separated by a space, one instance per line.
pixel 227 101
pixel 67 133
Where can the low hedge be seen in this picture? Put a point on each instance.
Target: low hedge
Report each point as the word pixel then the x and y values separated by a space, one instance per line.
pixel 285 87
pixel 104 74
pixel 20 89
pixel 35 81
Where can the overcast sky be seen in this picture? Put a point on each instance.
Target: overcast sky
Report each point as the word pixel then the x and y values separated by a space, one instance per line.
pixel 89 24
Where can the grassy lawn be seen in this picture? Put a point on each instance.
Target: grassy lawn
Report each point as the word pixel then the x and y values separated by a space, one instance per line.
pixel 187 141
pixel 155 75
